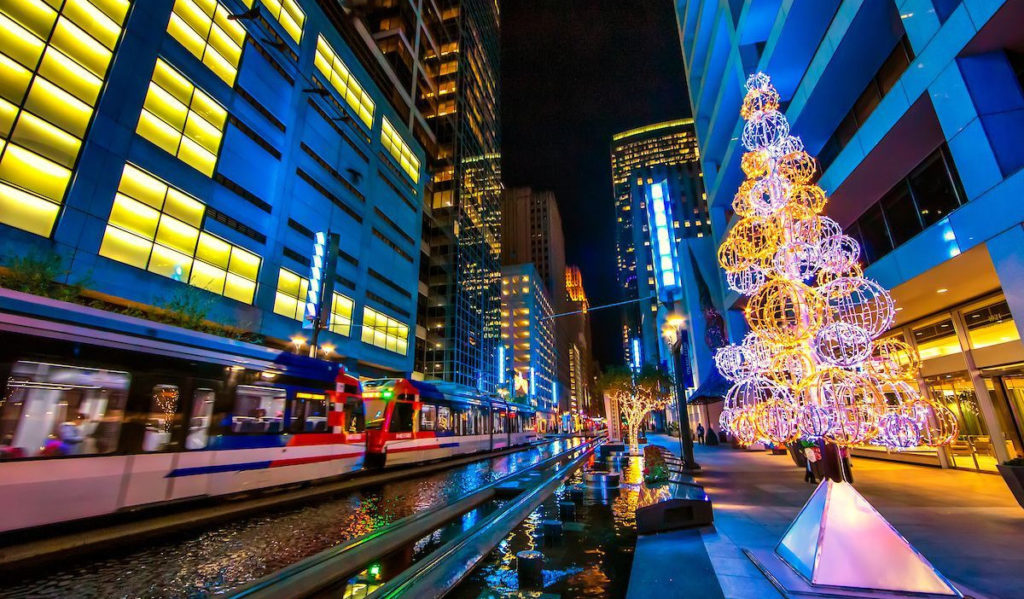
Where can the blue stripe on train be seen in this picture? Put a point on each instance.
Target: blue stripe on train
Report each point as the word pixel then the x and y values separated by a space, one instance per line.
pixel 217 469
pixel 443 445
pixel 248 441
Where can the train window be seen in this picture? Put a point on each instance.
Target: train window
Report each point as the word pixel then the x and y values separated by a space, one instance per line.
pixel 354 416
pixel 479 420
pixel 444 420
pixel 163 417
pixel 428 417
pixel 403 418
pixel 55 410
pixel 199 425
pixel 499 422
pixel 258 410
pixel 308 413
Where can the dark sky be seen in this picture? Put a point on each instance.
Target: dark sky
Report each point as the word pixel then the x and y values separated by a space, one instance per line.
pixel 574 72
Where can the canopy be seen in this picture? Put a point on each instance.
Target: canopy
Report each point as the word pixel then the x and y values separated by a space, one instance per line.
pixel 713 389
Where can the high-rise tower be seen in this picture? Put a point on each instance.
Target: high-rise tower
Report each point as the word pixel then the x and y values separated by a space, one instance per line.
pixel 667 151
pixel 442 58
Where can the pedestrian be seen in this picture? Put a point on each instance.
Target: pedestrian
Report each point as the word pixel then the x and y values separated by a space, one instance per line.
pixel 700 433
pixel 812 457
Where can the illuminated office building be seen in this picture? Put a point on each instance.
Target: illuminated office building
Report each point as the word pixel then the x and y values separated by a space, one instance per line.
pixel 159 147
pixel 528 337
pixel 915 111
pixel 439 63
pixel 667 151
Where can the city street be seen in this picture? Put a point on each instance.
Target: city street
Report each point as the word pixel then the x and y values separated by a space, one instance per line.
pixel 966 523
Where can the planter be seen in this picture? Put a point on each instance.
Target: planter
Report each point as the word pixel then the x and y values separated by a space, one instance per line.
pixel 1014 477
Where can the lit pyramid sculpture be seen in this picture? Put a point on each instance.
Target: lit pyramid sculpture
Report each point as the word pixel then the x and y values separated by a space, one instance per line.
pixel 839 540
pixel 813 365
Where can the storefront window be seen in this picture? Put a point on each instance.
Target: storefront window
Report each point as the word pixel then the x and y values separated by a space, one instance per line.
pixel 937 339
pixel 973 448
pixel 990 325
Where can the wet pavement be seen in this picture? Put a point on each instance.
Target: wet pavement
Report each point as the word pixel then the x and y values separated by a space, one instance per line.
pixel 211 562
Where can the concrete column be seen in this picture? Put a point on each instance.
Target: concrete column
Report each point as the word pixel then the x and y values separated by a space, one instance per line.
pixel 988 411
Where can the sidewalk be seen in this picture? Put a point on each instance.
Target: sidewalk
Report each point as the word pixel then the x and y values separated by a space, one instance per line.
pixel 967 524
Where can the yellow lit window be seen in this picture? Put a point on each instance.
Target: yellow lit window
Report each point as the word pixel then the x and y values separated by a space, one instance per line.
pixel 290 301
pixel 159 228
pixel 385 332
pixel 203 27
pixel 340 77
pixel 399 150
pixel 181 119
pixel 289 15
pixel 291 295
pixel 53 62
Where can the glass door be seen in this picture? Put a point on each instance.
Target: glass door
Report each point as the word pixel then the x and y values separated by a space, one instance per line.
pixel 973 447
pixel 1009 399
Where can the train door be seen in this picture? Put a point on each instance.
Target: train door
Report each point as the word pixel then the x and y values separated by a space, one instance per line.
pixel 155 438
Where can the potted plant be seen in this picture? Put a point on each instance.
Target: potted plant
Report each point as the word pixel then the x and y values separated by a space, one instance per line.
pixel 1013 474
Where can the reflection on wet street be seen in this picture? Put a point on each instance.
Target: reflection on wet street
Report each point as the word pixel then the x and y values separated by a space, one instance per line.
pixel 211 562
pixel 592 558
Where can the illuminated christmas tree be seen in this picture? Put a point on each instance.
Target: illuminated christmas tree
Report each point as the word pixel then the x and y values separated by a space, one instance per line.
pixel 812 365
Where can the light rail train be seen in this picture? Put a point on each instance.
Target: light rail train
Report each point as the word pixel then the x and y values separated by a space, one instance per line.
pixel 126 414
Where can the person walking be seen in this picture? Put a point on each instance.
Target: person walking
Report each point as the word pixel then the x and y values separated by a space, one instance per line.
pixel 812 457
pixel 700 433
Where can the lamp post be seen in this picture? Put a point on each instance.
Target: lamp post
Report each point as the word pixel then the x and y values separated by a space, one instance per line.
pixel 674 333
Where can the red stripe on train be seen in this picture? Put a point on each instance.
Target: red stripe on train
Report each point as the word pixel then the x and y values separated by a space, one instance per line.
pixel 313 459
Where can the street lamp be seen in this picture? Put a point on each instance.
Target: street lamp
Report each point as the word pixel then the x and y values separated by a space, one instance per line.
pixel 328 349
pixel 674 333
pixel 298 341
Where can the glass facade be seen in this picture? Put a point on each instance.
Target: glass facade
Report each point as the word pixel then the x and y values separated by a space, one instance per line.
pixel 54 57
pixel 190 165
pixel 924 197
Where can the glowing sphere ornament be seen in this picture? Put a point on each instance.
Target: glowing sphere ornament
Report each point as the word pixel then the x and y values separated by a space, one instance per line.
pixel 764 130
pixel 842 344
pixel 784 312
pixel 861 302
pixel 746 281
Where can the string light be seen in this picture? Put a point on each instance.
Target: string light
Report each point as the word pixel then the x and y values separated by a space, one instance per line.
pixel 813 364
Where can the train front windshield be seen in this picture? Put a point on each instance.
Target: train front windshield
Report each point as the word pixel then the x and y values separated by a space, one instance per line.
pixel 375 412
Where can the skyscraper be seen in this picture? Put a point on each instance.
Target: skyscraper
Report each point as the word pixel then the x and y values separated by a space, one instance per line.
pixel 532 233
pixel 664 151
pixel 443 61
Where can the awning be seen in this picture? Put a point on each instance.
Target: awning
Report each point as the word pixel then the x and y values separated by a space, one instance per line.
pixel 712 390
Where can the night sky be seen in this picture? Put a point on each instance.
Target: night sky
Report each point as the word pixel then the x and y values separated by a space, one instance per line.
pixel 574 72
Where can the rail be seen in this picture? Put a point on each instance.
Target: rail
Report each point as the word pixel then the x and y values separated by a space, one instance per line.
pixel 335 565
